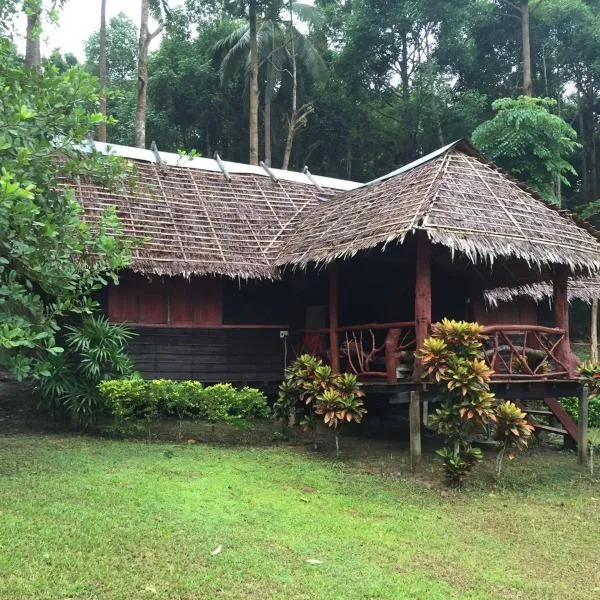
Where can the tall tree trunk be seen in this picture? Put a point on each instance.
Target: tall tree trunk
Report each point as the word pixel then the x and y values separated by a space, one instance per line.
pixel 585 180
pixel 267 124
pixel 142 83
pixel 253 117
pixel 103 73
pixel 526 42
pixel 294 116
pixel 32 44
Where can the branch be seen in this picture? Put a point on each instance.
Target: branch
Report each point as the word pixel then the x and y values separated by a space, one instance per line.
pixel 152 35
pixel 515 6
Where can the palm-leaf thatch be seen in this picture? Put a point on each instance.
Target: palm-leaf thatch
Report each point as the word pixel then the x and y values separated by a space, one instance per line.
pixel 461 201
pixel 191 220
pixel 586 289
pixel 194 220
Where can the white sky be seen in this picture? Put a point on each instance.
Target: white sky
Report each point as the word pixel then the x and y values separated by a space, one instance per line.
pixel 80 18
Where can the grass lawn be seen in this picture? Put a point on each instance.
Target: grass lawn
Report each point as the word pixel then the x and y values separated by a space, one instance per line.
pixel 87 518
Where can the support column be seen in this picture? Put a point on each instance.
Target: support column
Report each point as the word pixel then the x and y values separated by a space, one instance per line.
pixel 594 332
pixel 334 343
pixel 561 315
pixel 582 427
pixel 422 296
pixel 414 417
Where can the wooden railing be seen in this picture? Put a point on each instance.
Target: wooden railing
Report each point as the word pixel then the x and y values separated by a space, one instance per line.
pixel 386 350
pixel 525 352
pixel 372 350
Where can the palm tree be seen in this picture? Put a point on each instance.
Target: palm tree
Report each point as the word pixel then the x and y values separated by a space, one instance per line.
pixel 279 48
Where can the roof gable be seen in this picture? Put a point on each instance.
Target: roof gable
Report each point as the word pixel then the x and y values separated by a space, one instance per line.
pixel 460 200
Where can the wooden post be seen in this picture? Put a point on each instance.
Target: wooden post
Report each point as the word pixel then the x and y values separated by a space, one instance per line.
pixel 422 297
pixel 334 343
pixel 582 427
pixel 414 417
pixel 561 316
pixel 594 331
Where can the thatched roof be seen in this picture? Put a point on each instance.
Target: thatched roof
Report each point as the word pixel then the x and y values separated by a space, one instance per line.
pixel 460 200
pixel 586 289
pixel 250 222
pixel 193 220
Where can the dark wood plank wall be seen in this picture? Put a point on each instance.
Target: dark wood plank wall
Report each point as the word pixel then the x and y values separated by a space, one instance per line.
pixel 202 328
pixel 223 354
pixel 520 311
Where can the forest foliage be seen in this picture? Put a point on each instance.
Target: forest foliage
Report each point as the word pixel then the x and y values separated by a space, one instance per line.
pixel 399 80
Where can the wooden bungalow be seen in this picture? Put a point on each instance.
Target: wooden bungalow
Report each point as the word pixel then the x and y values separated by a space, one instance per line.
pixel 242 267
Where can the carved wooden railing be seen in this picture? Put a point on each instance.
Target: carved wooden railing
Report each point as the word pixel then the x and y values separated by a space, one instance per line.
pixel 372 350
pixel 525 352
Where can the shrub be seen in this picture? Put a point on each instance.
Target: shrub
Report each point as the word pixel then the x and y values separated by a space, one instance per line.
pixel 94 350
pixel 453 356
pixel 590 372
pixel 571 405
pixel 311 389
pixel 136 399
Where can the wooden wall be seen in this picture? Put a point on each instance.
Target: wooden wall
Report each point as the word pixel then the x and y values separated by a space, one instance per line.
pixel 221 354
pixel 520 311
pixel 203 328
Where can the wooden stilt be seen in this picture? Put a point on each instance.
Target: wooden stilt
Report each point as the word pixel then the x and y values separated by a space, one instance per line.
pixel 414 416
pixel 561 316
pixel 594 331
pixel 334 344
pixel 422 297
pixel 582 427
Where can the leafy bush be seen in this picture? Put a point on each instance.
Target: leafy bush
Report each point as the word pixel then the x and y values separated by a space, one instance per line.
pixel 512 430
pixel 571 405
pixel 311 389
pixel 590 373
pixel 136 399
pixel 94 350
pixel 453 356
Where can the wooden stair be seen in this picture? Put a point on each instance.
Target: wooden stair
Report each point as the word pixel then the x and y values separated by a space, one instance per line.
pixel 559 421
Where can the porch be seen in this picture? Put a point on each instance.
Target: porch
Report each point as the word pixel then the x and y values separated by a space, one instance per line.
pixel 426 283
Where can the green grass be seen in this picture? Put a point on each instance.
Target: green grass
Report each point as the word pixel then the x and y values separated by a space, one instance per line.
pixel 86 518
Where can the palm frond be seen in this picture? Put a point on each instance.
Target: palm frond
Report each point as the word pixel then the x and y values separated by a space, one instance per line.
pixel 308 56
pixel 309 14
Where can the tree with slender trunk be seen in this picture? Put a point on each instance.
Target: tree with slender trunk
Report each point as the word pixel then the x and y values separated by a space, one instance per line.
pixel 294 115
pixel 254 65
pixel 103 70
pixel 275 61
pixel 160 11
pixel 526 48
pixel 525 11
pixel 32 41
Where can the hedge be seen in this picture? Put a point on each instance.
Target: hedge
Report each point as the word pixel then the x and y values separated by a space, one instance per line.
pixel 133 399
pixel 571 405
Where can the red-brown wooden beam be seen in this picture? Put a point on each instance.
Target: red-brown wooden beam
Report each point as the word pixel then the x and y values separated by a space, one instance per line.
pixel 561 316
pixel 422 296
pixel 334 343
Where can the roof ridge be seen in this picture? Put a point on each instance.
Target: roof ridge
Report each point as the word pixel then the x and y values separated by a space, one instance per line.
pixel 202 163
pixel 426 204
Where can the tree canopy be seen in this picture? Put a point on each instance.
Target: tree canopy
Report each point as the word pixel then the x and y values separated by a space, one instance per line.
pixel 51 261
